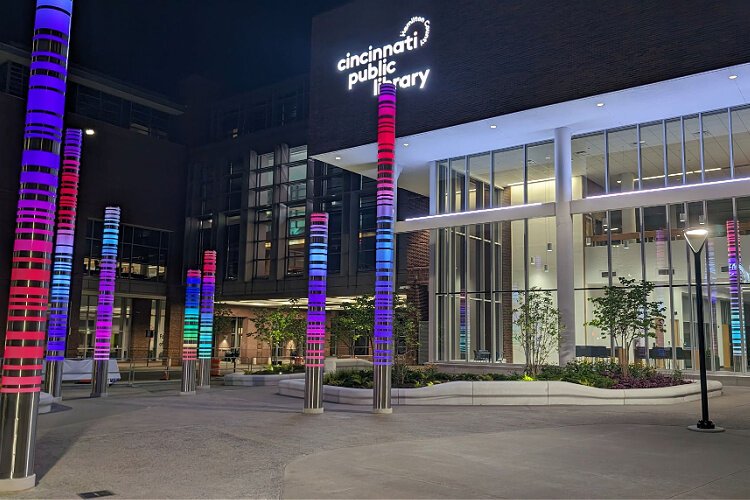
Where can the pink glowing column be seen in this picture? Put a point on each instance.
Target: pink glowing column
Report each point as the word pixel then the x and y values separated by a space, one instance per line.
pixel 107 273
pixel 57 329
pixel 28 298
pixel 734 263
pixel 316 313
pixel 384 250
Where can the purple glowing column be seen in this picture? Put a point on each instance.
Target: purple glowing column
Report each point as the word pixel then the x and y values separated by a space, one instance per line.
pixel 206 329
pixel 384 250
pixel 57 329
pixel 32 249
pixel 107 272
pixel 190 330
pixel 316 313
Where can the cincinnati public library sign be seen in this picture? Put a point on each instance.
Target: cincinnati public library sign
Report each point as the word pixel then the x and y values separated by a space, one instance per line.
pixel 379 64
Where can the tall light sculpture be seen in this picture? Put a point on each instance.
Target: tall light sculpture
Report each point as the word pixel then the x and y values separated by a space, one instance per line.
pixel 206 329
pixel 734 263
pixel 384 250
pixel 316 313
pixel 107 271
pixel 32 248
pixel 696 239
pixel 190 330
pixel 57 329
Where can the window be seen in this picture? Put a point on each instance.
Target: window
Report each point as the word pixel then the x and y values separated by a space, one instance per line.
pixel 263 243
pixel 295 241
pixel 265 160
pixel 297 154
pixel 232 246
pixel 367 227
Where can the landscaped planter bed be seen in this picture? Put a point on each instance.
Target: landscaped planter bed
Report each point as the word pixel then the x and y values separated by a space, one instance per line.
pixel 502 393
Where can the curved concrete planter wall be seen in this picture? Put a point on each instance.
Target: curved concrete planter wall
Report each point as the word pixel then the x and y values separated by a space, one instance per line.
pixel 256 380
pixel 510 393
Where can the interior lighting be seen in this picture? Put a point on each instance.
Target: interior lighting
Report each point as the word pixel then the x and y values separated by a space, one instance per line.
pixel 599 104
pixel 90 131
pixel 337 158
pixel 732 77
pixel 549 247
pixel 406 144
pixel 493 126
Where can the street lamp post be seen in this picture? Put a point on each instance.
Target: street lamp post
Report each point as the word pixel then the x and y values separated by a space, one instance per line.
pixel 696 239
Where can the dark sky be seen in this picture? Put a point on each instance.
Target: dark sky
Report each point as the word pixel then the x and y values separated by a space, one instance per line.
pixel 154 43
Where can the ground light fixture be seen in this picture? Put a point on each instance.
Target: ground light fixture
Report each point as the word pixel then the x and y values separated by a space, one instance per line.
pixel 696 239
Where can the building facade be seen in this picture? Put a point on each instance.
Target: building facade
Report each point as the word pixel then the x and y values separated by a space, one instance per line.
pixel 562 147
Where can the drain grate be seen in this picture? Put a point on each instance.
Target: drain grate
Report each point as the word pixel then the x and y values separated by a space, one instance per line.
pixel 96 494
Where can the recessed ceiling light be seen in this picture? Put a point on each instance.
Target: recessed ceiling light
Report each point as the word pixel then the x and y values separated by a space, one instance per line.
pixel 337 158
pixel 90 131
pixel 493 126
pixel 732 77
pixel 599 104
pixel 406 144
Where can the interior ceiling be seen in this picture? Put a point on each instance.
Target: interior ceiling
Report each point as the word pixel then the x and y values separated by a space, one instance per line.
pixel 672 98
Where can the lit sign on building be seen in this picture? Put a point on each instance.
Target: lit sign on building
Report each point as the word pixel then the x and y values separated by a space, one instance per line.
pixel 378 64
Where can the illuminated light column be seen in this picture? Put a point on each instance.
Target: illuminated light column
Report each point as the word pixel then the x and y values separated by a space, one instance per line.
pixel 384 251
pixel 32 248
pixel 735 291
pixel 107 271
pixel 206 329
pixel 316 313
pixel 190 330
pixel 57 329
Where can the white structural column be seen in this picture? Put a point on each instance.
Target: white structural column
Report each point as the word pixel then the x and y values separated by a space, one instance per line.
pixel 564 225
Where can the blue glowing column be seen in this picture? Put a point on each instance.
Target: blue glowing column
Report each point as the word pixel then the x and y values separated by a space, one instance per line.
pixel 57 328
pixel 105 306
pixel 316 313
pixel 28 298
pixel 384 250
pixel 735 292
pixel 206 330
pixel 190 330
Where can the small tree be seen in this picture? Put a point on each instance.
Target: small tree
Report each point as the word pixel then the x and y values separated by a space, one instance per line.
pixel 625 313
pixel 539 323
pixel 223 322
pixel 279 326
pixel 356 320
pixel 405 337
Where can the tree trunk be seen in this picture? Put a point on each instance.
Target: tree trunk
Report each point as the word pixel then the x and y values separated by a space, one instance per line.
pixel 624 362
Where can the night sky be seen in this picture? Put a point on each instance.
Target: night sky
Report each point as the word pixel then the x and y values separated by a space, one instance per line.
pixel 243 44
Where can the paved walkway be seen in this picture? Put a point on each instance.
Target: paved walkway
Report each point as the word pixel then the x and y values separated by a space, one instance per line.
pixel 229 442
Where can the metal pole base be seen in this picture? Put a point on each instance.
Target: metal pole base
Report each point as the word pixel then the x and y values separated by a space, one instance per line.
pixel 313 390
pixel 18 417
pixel 17 484
pixel 204 374
pixel 53 379
pixel 100 378
pixel 705 427
pixel 188 377
pixel 381 391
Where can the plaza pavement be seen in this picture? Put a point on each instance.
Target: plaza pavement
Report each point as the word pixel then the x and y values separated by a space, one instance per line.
pixel 229 442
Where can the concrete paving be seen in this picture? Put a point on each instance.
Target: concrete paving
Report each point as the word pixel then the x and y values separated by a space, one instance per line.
pixel 240 442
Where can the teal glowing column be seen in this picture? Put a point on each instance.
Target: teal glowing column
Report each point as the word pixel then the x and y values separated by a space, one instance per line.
pixel 206 329
pixel 190 330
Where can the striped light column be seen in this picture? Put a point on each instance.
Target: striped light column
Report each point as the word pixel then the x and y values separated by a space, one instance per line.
pixel 735 291
pixel 316 313
pixel 107 274
pixel 206 329
pixel 190 330
pixel 384 250
pixel 28 298
pixel 57 329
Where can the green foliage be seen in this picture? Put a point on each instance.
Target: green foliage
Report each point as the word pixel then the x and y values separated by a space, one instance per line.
pixel 625 313
pixel 356 320
pixel 412 377
pixel 277 370
pixel 540 323
pixel 279 326
pixel 223 319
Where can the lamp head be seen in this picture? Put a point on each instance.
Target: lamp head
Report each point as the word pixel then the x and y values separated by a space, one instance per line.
pixel 696 238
